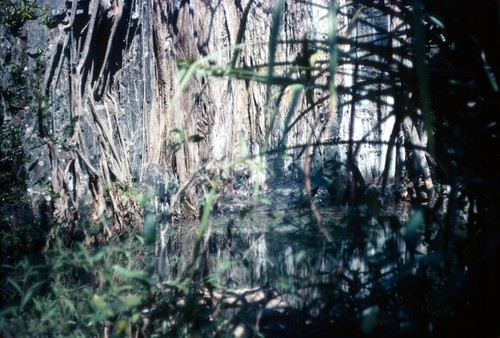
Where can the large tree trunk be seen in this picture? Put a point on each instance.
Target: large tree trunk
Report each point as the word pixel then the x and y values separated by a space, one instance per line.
pixel 114 117
pixel 120 124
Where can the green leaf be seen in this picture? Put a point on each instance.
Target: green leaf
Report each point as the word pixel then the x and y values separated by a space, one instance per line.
pixel 436 21
pixel 99 255
pixel 149 233
pixel 134 274
pixel 14 284
pixel 243 146
pixel 130 301
pixel 195 138
pixel 414 223
pixel 102 306
pixel 135 317
pixel 125 288
pixel 370 319
pixel 121 328
pixel 266 201
pixel 38 305
pixel 11 310
pixel 224 266
pixel 69 305
pixel 300 256
pixel 50 313
pixel 88 258
pixel 183 72
pixel 26 298
pixel 140 239
pixel 178 132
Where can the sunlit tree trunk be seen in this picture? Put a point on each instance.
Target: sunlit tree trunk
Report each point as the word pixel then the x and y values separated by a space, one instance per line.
pixel 119 126
pixel 114 117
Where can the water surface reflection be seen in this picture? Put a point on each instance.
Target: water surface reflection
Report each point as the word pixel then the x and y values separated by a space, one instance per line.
pixel 281 260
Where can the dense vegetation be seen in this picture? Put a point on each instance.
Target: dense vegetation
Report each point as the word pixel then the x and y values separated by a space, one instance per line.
pixel 439 63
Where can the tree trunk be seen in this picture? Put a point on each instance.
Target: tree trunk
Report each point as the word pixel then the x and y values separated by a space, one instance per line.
pixel 421 163
pixel 120 125
pixel 114 115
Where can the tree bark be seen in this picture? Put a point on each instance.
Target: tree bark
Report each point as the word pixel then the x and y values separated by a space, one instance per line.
pixel 420 158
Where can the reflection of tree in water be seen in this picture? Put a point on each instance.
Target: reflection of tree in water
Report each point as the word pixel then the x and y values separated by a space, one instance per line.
pixel 290 270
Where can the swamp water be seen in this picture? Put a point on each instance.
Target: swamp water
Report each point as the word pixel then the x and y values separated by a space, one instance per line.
pixel 280 268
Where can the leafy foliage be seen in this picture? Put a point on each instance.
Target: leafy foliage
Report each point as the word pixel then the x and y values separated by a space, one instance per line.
pixel 73 292
pixel 15 13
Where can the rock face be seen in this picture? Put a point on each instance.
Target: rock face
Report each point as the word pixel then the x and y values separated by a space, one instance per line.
pixel 114 112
